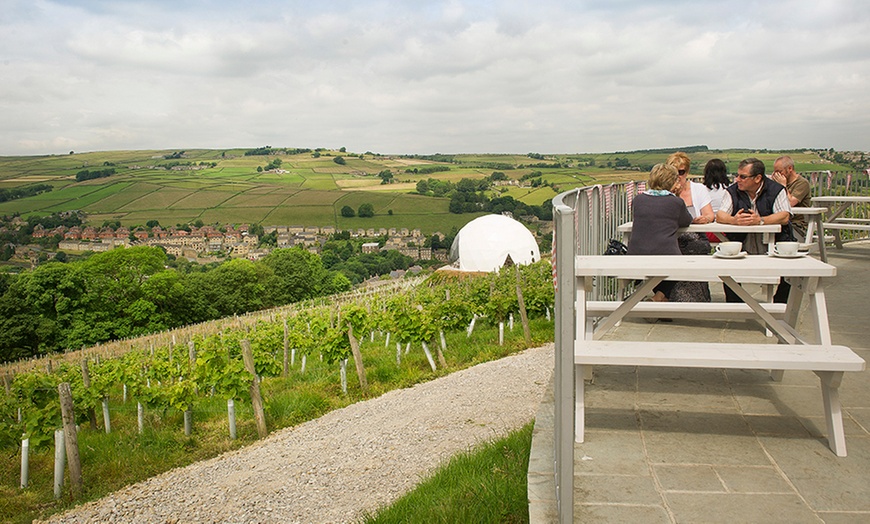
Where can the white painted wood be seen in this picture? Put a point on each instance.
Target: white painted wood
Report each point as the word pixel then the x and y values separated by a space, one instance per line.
pixel 698 267
pixel 846 225
pixel 837 199
pixel 836 206
pixel 695 310
pixel 829 362
pixel 717 355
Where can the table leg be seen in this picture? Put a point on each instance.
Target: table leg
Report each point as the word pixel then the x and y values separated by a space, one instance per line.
pixel 834 215
pixel 819 307
pixel 580 402
pixel 626 306
pixel 792 309
pixel 770 240
pixel 783 331
pixel 795 297
pixel 830 382
pixel 823 255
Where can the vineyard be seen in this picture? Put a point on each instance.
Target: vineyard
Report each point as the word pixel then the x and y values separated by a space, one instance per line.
pixel 138 407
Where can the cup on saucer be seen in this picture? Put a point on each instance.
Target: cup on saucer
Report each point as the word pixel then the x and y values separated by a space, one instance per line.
pixel 729 249
pixel 786 249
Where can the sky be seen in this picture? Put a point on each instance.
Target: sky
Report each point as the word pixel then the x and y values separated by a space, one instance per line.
pixel 423 76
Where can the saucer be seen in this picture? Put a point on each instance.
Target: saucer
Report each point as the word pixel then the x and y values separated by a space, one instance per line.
pixel 738 255
pixel 796 255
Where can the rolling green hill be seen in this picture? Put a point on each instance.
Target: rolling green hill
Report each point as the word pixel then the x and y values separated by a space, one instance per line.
pixel 308 187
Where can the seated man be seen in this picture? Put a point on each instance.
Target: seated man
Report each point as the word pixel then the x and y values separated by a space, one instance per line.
pixel 753 200
pixel 797 189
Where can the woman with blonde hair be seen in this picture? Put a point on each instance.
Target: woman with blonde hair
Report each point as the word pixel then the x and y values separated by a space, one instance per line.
pixel 658 213
pixel 696 196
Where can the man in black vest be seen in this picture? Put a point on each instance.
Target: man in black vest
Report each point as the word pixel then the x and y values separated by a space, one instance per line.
pixel 753 200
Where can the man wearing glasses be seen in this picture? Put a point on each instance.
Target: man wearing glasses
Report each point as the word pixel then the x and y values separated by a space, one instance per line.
pixel 755 200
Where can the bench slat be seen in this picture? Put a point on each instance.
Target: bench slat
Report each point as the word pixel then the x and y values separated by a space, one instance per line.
pixel 717 355
pixel 848 220
pixel 839 225
pixel 697 310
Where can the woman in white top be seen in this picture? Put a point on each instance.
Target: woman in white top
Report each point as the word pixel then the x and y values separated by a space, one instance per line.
pixel 697 201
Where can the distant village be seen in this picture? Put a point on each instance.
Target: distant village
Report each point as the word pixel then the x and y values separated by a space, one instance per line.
pixel 208 243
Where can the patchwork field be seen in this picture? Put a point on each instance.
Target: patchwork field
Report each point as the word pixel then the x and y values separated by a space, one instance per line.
pixel 308 188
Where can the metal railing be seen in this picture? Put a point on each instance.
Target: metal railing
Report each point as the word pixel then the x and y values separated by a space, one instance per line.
pixel 585 219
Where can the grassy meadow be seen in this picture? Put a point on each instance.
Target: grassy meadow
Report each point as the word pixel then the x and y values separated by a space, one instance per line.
pixel 225 186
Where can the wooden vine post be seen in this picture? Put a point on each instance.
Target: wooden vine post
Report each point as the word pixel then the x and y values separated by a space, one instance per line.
pixel 527 334
pixel 86 380
pixel 256 399
pixel 286 349
pixel 357 358
pixel 188 413
pixel 70 437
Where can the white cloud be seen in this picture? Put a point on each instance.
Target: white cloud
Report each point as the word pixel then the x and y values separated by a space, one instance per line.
pixel 448 76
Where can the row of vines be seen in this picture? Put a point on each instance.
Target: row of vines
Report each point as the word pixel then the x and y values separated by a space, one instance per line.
pixel 189 371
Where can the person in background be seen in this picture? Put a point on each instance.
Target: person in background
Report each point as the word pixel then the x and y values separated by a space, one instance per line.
pixel 755 200
pixel 796 188
pixel 697 200
pixel 657 214
pixel 716 180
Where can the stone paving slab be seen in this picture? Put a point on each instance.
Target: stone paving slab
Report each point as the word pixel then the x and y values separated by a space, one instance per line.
pixel 676 445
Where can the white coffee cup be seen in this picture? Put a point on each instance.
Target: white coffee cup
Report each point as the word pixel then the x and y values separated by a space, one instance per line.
pixel 786 249
pixel 729 249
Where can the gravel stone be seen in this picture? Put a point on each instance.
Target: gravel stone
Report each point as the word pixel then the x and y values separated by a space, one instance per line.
pixel 349 461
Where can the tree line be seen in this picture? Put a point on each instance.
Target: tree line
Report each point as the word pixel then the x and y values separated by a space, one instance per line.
pixel 134 291
pixel 470 196
pixel 23 192
pixel 129 292
pixel 87 174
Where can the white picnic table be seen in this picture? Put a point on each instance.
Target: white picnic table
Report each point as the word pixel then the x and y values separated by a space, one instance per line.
pixel 768 231
pixel 794 352
pixel 768 237
pixel 814 226
pixel 834 221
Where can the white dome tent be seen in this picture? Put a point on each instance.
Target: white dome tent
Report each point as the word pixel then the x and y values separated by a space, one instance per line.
pixel 485 243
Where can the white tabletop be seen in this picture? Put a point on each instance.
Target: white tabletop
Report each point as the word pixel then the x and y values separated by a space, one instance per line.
pixel 715 227
pixel 689 267
pixel 796 210
pixel 830 198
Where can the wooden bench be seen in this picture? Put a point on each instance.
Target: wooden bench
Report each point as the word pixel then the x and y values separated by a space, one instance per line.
pixel 693 310
pixel 837 207
pixel 697 310
pixel 828 362
pixel 849 224
pixel 767 284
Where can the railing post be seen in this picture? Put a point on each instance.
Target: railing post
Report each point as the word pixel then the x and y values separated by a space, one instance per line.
pixel 565 242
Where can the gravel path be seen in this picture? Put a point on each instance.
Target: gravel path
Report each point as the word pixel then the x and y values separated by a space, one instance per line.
pixel 354 459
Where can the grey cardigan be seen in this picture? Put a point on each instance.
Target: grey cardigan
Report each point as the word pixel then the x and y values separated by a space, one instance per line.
pixel 655 223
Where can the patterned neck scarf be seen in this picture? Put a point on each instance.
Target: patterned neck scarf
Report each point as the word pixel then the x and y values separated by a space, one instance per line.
pixel 657 192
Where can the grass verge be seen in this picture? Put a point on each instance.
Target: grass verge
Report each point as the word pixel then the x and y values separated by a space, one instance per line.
pixel 485 485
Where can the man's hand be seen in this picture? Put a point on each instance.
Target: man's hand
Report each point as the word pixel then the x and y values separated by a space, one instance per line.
pixel 747 218
pixel 779 178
